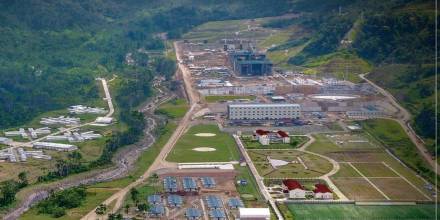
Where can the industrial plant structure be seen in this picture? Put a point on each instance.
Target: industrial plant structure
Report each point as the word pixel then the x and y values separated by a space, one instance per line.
pixel 248 62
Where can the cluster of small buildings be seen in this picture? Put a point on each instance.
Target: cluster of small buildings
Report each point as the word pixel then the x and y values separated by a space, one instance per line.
pixel 267 137
pixel 81 109
pixel 189 184
pixel 175 190
pixel 19 154
pixel 30 133
pixel 295 190
pixel 61 120
pixel 74 136
pixel 269 111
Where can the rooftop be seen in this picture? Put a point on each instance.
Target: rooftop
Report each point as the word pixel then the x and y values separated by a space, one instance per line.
pixel 264 105
pixel 292 184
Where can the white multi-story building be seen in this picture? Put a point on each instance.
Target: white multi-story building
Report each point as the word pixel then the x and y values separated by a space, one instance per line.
pixel 263 111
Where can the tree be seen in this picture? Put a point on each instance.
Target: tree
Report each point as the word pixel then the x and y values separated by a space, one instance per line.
pixel 22 176
pixel 127 208
pixel 101 209
pixel 143 207
pixel 7 192
pixel 134 193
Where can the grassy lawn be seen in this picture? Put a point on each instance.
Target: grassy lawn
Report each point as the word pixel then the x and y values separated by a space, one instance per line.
pixel 224 144
pixel 374 170
pixel 341 65
pixel 249 193
pixel 316 166
pixel 345 170
pixel 394 138
pixel 175 108
pixel 349 211
pixel 275 39
pixel 94 197
pixel 144 191
pixel 219 98
pixel 295 141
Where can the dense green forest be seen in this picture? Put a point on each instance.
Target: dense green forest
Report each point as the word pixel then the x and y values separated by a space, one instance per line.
pixel 51 51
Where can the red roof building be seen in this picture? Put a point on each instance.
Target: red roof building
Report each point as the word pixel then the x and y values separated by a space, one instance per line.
pixel 262 132
pixel 282 134
pixel 292 184
pixel 321 188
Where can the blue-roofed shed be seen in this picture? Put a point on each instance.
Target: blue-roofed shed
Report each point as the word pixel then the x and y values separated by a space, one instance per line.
pixel 214 202
pixel 208 182
pixel 217 214
pixel 193 213
pixel 154 199
pixel 170 184
pixel 175 201
pixel 189 184
pixel 235 203
pixel 157 210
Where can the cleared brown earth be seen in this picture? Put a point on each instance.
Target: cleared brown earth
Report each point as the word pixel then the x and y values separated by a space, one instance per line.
pixel 357 189
pixel 374 170
pixel 397 189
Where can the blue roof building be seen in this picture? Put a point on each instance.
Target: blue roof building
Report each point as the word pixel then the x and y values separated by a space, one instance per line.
pixel 175 201
pixel 154 199
pixel 193 213
pixel 208 182
pixel 189 184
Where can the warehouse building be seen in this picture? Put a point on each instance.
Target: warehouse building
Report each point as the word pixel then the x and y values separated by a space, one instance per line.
pixel 263 111
pixel 247 62
pixel 254 213
pixel 54 146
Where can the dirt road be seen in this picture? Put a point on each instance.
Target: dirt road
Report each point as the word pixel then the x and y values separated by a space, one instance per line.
pixel 124 161
pixel 160 161
pixel 404 118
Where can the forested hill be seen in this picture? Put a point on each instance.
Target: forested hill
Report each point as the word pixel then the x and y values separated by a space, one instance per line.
pixel 392 39
pixel 51 50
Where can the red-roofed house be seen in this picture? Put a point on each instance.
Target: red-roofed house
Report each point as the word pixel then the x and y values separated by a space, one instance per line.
pixel 294 188
pixel 267 137
pixel 262 136
pixel 284 135
pixel 322 192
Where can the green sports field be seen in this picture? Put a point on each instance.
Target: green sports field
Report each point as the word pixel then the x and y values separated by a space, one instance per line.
pixel 223 143
pixel 351 211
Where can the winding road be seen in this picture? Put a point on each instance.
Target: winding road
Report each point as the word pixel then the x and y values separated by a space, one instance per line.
pixel 404 118
pixel 124 162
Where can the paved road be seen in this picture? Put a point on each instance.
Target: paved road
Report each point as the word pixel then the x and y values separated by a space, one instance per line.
pixel 160 161
pixel 404 118
pixel 258 178
pixel 326 176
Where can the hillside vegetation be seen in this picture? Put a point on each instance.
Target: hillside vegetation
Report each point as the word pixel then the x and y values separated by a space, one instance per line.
pixel 51 51
pixel 394 40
